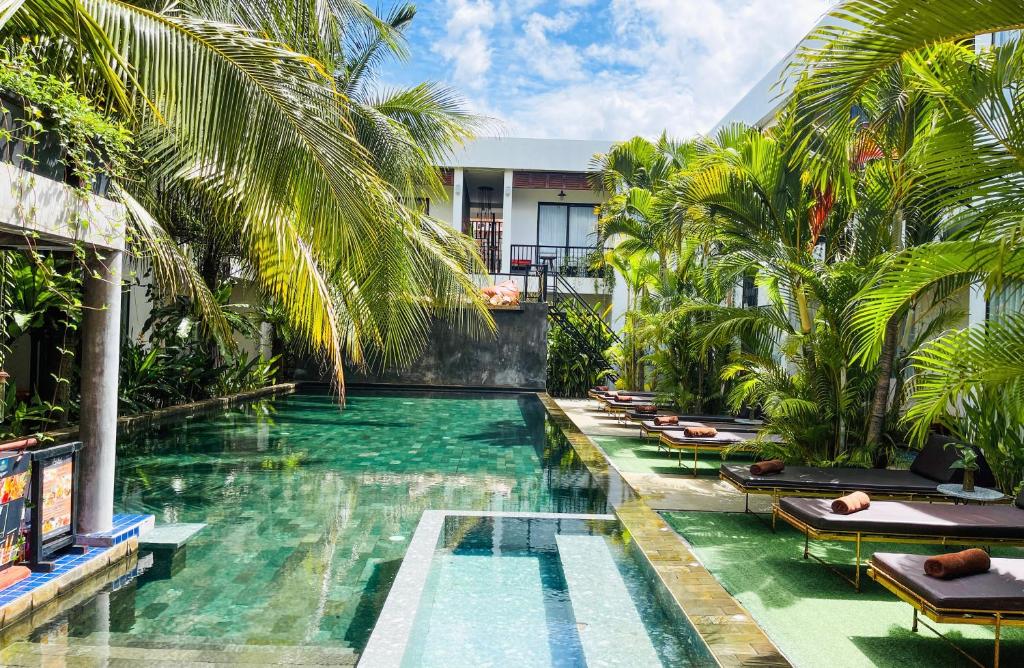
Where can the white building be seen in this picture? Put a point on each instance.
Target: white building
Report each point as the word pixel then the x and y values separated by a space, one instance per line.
pixel 528 203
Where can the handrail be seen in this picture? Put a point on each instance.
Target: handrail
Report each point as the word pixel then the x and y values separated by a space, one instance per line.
pixel 561 282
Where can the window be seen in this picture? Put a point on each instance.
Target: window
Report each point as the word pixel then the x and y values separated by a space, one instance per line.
pixel 566 225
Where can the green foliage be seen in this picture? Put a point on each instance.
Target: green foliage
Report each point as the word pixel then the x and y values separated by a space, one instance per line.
pixel 572 368
pixel 92 142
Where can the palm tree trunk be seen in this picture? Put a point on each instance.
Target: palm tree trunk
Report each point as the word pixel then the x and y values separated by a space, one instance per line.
pixel 880 405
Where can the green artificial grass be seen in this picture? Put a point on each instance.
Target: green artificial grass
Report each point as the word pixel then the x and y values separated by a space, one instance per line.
pixel 641 455
pixel 814 616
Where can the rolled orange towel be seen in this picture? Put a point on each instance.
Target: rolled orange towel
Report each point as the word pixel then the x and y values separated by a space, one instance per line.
pixel 663 420
pixel 13 575
pixel 767 466
pixel 601 388
pixel 958 564
pixel 624 398
pixel 851 503
pixel 700 432
pixel 646 408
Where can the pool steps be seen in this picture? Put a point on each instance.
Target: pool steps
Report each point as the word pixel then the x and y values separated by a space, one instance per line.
pixel 610 628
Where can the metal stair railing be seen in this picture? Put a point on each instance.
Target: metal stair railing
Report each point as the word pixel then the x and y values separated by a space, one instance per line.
pixel 563 298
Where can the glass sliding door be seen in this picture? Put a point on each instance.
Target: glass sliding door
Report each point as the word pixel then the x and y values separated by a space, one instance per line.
pixel 582 226
pixel 551 225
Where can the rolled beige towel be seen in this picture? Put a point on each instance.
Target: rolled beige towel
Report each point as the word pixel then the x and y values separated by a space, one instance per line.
pixel 958 564
pixel 768 466
pixel 851 503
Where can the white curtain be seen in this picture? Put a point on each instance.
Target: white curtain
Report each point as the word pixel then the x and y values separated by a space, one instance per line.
pixel 582 226
pixel 551 231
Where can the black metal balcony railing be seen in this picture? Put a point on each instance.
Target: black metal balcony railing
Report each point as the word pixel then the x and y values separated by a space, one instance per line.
pixel 561 260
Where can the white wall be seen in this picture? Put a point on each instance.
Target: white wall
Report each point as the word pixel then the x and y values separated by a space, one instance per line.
pixel 524 209
pixel 442 208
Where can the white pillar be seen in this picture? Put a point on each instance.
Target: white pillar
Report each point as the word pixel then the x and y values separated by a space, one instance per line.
pixel 101 328
pixel 506 225
pixel 977 305
pixel 457 185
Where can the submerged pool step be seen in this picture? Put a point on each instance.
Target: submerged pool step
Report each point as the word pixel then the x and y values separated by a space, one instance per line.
pixel 610 628
pixel 93 651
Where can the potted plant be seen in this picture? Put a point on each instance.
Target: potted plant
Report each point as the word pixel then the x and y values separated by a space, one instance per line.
pixel 968 461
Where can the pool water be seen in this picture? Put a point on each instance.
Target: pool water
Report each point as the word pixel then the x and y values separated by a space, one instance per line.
pixel 309 509
pixel 549 592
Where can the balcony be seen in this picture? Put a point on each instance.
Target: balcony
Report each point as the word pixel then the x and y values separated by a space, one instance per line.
pixel 570 261
pixel 39 152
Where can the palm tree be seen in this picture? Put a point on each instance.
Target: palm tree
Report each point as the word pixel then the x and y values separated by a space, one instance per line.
pixel 259 134
pixel 968 176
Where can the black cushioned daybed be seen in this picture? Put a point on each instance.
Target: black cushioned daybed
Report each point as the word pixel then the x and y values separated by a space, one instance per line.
pixel 929 469
pixel 918 522
pixel 995 598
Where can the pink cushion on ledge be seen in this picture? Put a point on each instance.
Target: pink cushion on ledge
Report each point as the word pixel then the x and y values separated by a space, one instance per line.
pixel 13 575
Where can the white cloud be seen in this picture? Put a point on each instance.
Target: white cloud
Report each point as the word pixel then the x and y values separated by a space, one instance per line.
pixel 552 59
pixel 466 42
pixel 678 65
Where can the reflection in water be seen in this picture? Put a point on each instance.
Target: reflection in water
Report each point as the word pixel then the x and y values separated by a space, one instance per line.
pixel 301 500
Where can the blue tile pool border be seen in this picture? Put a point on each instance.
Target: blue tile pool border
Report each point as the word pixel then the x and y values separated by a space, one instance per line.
pixel 70 570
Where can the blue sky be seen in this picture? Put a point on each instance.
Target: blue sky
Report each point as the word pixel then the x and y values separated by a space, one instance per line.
pixel 601 69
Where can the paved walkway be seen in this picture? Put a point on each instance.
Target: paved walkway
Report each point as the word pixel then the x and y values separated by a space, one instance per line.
pixel 654 474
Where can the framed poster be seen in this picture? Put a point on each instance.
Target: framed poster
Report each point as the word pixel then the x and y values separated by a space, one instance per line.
pixel 14 479
pixel 57 494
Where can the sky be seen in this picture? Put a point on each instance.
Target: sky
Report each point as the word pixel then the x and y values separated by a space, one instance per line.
pixel 601 69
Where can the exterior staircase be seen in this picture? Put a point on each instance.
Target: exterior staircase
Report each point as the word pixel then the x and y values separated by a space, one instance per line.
pixel 580 321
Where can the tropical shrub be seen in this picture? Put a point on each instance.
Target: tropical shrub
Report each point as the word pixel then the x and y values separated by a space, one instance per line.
pixel 576 354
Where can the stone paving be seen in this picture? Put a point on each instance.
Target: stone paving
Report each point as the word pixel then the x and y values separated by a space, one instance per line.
pixel 661 491
pixel 732 635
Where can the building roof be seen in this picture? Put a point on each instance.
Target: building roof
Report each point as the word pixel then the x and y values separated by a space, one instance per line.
pixel 562 155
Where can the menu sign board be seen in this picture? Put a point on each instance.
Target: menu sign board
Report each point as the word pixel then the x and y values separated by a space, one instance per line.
pixel 14 479
pixel 56 496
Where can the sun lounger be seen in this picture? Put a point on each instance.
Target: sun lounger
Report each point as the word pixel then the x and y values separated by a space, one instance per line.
pixel 648 428
pixel 995 598
pixel 604 397
pixel 929 469
pixel 677 440
pixel 902 522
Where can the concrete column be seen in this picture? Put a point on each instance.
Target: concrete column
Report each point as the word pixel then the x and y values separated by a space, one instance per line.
pixel 457 187
pixel 506 217
pixel 101 328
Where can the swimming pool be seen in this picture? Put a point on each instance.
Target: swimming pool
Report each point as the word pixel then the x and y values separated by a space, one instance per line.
pixel 309 512
pixel 550 590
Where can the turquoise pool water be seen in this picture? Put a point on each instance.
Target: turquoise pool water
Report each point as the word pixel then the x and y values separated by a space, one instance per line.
pixel 549 592
pixel 309 510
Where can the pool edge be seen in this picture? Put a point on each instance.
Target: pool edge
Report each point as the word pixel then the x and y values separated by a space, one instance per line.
pixel 726 627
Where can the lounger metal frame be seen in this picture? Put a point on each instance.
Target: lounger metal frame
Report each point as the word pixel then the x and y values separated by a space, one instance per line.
pixel 860 537
pixel 997 618
pixel 721 448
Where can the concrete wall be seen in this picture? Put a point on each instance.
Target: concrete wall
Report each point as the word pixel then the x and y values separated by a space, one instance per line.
pixel 516 358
